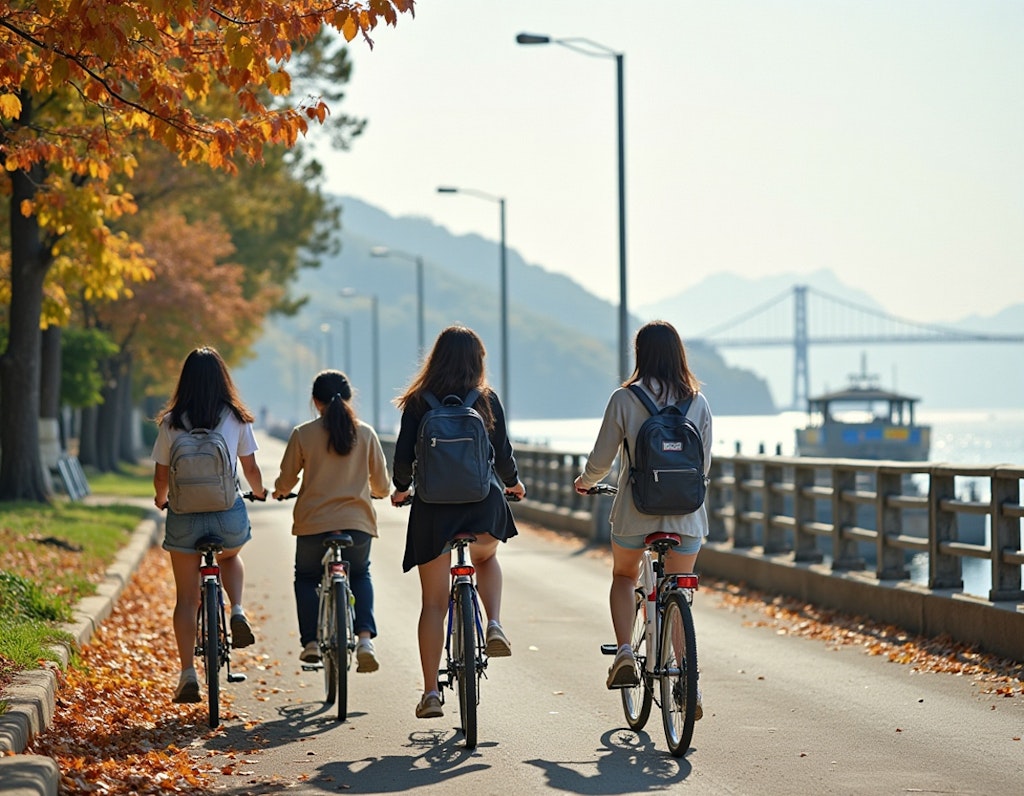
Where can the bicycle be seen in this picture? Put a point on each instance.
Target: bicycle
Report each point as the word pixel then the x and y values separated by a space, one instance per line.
pixel 213 637
pixel 664 643
pixel 465 639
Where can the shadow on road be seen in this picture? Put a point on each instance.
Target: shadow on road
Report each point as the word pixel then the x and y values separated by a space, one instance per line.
pixel 629 762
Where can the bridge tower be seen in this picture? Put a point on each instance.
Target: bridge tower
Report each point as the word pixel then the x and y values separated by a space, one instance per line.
pixel 801 379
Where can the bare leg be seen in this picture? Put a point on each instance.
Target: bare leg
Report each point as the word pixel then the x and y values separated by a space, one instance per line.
pixel 625 568
pixel 679 563
pixel 430 631
pixel 186 606
pixel 488 573
pixel 232 574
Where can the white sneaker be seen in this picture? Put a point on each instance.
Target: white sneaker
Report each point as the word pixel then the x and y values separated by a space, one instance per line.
pixel 366 658
pixel 310 653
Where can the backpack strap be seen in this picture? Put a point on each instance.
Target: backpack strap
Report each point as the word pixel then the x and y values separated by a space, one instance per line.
pixel 645 399
pixel 431 399
pixel 471 397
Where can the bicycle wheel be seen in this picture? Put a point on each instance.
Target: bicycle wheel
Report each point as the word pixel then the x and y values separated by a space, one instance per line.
pixel 636 701
pixel 326 627
pixel 339 645
pixel 211 646
pixel 465 663
pixel 677 665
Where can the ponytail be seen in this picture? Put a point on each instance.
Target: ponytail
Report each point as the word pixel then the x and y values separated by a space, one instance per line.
pixel 331 387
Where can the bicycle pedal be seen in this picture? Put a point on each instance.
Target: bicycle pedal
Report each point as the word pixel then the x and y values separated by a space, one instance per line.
pixel 234 677
pixel 609 649
pixel 312 667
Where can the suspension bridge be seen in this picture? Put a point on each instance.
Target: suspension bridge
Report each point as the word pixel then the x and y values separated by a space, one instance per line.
pixel 805 317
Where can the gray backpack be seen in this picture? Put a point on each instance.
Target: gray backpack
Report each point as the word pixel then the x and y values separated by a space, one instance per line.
pixel 202 473
pixel 454 456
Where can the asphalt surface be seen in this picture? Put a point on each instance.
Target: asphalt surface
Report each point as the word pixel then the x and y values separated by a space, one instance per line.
pixel 783 715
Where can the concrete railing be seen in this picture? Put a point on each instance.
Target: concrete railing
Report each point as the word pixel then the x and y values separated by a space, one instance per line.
pixel 838 533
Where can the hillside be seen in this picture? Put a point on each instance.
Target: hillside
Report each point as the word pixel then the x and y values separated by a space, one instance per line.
pixel 561 338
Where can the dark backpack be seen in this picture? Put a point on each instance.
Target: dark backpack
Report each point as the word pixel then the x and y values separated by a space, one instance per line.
pixel 202 473
pixel 453 452
pixel 668 473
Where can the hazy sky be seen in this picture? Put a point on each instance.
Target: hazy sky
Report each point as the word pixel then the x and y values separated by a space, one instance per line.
pixel 882 139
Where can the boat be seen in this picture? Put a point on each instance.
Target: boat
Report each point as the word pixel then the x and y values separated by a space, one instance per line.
pixel 863 421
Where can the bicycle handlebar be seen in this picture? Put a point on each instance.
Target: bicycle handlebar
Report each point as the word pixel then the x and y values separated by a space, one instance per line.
pixel 510 497
pixel 603 489
pixel 251 497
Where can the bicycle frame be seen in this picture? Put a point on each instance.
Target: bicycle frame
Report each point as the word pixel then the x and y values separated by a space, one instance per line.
pixel 466 660
pixel 335 622
pixel 655 586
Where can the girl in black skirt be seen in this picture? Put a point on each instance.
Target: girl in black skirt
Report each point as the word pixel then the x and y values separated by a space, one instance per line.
pixel 454 367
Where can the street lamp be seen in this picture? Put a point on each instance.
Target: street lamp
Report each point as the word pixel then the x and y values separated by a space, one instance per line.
pixel 325 327
pixel 384 251
pixel 587 47
pixel 504 284
pixel 374 347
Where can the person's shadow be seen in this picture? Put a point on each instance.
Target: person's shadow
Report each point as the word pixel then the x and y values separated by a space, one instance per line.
pixel 631 763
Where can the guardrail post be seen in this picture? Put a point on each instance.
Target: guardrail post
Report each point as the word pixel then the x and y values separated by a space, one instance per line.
pixel 891 561
pixel 716 501
pixel 944 571
pixel 805 544
pixel 743 527
pixel 1005 534
pixel 845 555
pixel 773 506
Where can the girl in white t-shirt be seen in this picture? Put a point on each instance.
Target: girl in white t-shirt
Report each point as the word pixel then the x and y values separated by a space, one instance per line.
pixel 205 397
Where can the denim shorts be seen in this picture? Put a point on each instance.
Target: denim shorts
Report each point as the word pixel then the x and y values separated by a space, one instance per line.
pixel 688 546
pixel 182 531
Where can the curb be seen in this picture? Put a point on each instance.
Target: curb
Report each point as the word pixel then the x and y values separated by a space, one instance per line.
pixel 31 698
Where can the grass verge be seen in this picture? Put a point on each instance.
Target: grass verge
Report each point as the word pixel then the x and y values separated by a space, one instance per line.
pixel 51 556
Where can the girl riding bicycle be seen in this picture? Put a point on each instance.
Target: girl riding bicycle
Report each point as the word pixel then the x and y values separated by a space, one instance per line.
pixel 342 466
pixel 662 372
pixel 205 397
pixel 455 366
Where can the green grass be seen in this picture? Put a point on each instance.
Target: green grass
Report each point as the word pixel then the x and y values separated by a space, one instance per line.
pixel 133 480
pixel 51 556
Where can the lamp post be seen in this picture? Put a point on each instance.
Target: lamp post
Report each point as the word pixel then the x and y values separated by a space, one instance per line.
pixel 384 251
pixel 374 347
pixel 503 275
pixel 587 47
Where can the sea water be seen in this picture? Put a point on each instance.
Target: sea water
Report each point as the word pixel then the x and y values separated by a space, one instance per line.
pixel 959 437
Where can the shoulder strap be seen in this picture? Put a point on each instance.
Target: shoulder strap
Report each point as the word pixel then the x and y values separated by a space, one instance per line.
pixel 684 406
pixel 471 397
pixel 645 399
pixel 431 399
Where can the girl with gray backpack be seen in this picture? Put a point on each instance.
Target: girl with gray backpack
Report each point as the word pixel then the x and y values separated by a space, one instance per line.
pixel 204 418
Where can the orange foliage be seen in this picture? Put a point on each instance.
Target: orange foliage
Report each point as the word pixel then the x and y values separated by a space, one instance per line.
pixel 128 68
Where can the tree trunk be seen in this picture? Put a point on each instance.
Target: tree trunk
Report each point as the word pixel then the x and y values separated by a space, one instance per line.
pixel 129 432
pixel 107 430
pixel 87 453
pixel 49 384
pixel 21 473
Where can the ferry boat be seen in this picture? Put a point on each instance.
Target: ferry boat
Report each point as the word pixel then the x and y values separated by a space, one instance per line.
pixel 863 421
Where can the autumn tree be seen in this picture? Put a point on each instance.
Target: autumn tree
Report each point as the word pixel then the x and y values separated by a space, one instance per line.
pixel 80 82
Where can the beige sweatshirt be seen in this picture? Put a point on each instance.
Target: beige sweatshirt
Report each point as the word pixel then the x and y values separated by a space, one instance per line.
pixel 335 492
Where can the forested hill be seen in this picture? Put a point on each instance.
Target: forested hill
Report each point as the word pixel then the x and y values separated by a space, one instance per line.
pixel 562 338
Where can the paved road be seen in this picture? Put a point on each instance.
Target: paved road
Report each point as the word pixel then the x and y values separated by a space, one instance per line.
pixel 783 715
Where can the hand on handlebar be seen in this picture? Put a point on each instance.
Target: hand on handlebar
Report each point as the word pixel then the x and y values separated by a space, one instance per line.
pixel 252 497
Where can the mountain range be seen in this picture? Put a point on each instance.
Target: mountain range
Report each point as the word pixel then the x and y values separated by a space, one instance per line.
pixel 562 338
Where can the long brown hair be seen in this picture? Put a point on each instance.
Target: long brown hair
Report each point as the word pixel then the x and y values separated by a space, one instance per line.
pixel 454 366
pixel 331 387
pixel 204 389
pixel 661 362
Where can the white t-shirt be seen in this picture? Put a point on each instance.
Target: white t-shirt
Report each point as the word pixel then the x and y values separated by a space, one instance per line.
pixel 238 436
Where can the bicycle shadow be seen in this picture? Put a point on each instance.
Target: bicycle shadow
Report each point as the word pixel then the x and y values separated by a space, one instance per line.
pixel 295 723
pixel 443 758
pixel 632 762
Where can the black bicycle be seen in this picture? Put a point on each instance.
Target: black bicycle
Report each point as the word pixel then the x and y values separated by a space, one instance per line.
pixel 213 639
pixel 465 640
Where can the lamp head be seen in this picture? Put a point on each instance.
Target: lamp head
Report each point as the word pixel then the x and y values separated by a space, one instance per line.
pixel 447 189
pixel 380 251
pixel 531 38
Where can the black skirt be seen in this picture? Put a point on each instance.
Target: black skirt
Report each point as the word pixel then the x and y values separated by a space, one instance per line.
pixel 432 525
